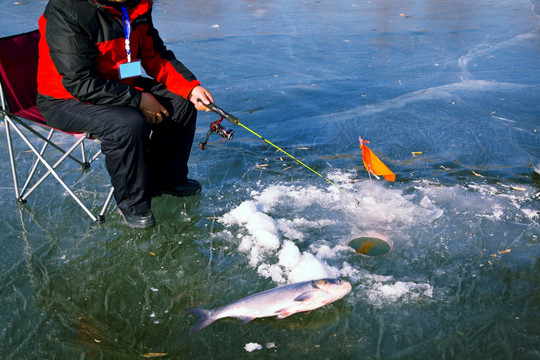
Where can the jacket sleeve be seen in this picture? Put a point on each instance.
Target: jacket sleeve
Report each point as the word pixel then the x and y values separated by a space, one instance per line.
pixel 162 65
pixel 73 53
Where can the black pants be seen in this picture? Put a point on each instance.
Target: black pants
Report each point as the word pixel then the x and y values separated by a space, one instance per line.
pixel 139 156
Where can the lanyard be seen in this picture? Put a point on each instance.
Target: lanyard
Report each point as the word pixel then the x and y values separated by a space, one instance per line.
pixel 127 31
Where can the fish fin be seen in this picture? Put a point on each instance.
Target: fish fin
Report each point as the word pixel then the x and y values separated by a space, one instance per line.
pixel 305 296
pixel 204 319
pixel 245 319
pixel 283 313
pixel 286 312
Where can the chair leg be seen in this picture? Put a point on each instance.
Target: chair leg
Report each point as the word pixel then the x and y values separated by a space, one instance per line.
pixel 101 216
pixel 44 176
pixel 51 171
pixel 36 163
pixel 86 164
pixel 12 159
pixel 22 194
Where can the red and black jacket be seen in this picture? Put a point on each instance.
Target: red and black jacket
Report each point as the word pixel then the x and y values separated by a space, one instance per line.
pixel 83 42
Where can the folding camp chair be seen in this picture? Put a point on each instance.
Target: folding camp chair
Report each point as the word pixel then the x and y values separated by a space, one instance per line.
pixel 18 90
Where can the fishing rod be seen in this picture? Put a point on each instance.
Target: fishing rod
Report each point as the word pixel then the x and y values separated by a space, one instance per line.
pixel 216 127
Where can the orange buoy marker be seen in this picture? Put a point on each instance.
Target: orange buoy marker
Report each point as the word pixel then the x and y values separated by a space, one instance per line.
pixel 373 164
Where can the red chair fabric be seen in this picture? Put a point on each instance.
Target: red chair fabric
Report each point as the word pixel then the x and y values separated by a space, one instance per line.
pixel 19 73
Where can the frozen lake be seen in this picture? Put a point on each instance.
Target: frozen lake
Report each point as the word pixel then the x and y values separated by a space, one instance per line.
pixel 448 95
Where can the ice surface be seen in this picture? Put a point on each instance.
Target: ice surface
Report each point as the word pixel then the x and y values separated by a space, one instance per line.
pixel 457 81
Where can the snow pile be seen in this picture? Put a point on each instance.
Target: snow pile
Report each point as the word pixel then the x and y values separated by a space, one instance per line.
pixel 273 227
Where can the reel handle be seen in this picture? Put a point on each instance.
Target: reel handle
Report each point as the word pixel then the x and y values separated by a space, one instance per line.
pixel 221 112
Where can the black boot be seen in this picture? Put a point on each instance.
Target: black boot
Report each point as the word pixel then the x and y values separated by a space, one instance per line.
pixel 141 221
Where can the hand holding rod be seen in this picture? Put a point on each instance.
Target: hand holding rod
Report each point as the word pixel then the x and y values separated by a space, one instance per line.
pixel 221 112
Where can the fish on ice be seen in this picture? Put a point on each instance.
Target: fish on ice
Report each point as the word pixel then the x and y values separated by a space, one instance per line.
pixel 282 301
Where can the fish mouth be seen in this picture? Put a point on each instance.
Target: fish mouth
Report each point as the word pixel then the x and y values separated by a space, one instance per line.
pixel 348 288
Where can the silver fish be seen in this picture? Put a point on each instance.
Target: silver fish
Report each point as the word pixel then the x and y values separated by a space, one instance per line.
pixel 281 302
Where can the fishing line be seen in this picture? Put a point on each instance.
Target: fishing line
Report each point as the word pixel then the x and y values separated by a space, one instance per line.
pixel 233 119
pixel 371 183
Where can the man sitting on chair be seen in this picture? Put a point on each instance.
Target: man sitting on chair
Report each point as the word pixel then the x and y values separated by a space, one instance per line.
pixel 89 79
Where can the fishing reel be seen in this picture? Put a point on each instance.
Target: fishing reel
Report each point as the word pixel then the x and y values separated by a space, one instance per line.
pixel 215 126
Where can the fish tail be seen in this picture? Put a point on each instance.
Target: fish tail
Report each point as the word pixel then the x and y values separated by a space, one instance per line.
pixel 204 320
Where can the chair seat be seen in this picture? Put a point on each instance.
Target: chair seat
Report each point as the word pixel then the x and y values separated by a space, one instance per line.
pixel 32 113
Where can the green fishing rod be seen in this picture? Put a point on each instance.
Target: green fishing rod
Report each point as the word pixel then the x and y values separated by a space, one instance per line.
pixel 233 119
